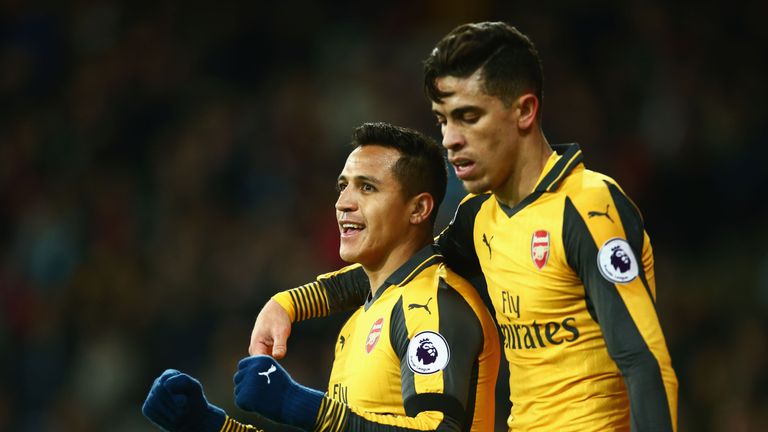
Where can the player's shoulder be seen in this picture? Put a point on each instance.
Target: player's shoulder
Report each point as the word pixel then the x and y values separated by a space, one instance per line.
pixel 472 202
pixel 468 208
pixel 471 197
pixel 426 282
pixel 352 270
pixel 463 291
pixel 451 279
pixel 586 188
pixel 438 280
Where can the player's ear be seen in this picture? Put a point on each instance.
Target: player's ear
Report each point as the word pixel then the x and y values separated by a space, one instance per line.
pixel 421 207
pixel 528 106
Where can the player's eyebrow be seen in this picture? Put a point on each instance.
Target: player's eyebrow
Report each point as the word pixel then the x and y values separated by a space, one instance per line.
pixel 458 112
pixel 361 179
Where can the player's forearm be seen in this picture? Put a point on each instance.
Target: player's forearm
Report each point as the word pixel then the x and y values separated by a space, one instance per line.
pixel 342 290
pixel 648 396
pixel 338 417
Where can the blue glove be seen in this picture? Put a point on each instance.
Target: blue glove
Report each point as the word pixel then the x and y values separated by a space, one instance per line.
pixel 263 386
pixel 176 403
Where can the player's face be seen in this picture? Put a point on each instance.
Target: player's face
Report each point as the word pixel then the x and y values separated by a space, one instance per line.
pixel 371 210
pixel 479 132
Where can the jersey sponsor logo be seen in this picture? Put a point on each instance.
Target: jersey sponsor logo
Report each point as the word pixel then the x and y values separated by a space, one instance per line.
pixel 428 353
pixel 616 261
pixel 510 303
pixel 595 213
pixel 424 306
pixel 487 243
pixel 539 335
pixel 373 335
pixel 340 393
pixel 540 248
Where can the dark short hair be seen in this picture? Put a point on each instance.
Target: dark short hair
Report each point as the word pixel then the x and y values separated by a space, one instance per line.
pixel 421 167
pixel 509 61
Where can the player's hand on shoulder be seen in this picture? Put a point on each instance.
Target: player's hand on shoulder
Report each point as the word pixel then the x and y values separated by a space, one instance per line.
pixel 176 402
pixel 270 331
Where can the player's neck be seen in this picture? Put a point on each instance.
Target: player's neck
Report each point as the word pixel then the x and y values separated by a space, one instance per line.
pixel 379 273
pixel 534 151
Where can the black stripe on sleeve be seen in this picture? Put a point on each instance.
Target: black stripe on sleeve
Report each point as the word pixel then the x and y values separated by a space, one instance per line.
pixel 463 333
pixel 343 291
pixel 314 300
pixel 323 298
pixel 357 423
pixel 295 301
pixel 455 242
pixel 452 409
pixel 339 412
pixel 632 222
pixel 258 424
pixel 448 405
pixel 469 415
pixel 347 290
pixel 649 409
pixel 398 338
pixel 462 330
pixel 332 416
pixel 302 293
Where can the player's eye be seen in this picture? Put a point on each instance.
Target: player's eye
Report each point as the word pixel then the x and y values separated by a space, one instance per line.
pixel 470 118
pixel 340 186
pixel 367 187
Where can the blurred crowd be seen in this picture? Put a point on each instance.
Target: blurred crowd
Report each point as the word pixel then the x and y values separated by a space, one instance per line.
pixel 166 167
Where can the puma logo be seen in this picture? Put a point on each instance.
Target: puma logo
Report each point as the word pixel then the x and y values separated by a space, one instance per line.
pixel 594 213
pixel 271 369
pixel 342 341
pixel 425 306
pixel 488 243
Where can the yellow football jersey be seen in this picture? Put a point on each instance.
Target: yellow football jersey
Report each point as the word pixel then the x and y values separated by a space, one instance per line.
pixel 422 354
pixel 569 271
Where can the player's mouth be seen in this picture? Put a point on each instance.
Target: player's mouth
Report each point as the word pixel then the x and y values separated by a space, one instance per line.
pixel 463 167
pixel 350 229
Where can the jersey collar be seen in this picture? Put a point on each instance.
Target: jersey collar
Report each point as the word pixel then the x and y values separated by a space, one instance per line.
pixel 565 157
pixel 422 259
pixel 560 163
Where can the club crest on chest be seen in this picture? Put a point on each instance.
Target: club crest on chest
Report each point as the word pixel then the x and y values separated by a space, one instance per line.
pixel 373 335
pixel 540 248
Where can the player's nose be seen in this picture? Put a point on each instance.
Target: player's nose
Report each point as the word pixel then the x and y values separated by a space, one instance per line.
pixel 346 201
pixel 452 137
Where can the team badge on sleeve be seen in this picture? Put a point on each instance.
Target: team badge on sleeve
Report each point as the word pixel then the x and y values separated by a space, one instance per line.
pixel 540 248
pixel 616 261
pixel 428 353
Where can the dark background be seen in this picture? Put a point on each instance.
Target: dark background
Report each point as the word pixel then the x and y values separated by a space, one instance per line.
pixel 166 167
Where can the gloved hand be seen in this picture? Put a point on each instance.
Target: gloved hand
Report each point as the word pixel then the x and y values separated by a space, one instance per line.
pixel 263 386
pixel 176 403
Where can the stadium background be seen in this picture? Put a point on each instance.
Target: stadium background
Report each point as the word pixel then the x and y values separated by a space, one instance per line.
pixel 166 167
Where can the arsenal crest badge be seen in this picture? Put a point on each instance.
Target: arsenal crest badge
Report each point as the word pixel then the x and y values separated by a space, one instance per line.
pixel 373 335
pixel 540 248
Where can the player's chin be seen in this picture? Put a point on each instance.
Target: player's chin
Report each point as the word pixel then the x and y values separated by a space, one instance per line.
pixel 475 186
pixel 349 254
